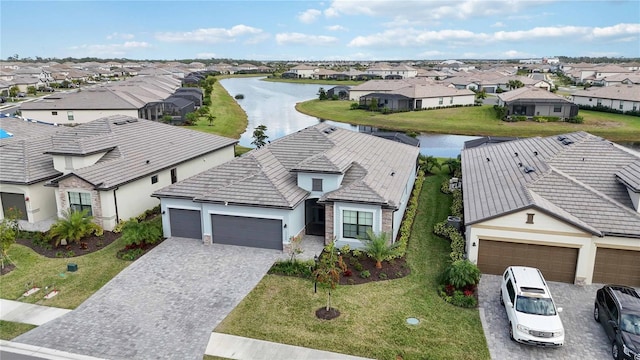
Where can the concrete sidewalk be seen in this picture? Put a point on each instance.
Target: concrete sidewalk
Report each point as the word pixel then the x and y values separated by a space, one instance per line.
pixel 241 348
pixel 227 346
pixel 20 312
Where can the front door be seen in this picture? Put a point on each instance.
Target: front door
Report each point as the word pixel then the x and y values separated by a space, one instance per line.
pixel 314 217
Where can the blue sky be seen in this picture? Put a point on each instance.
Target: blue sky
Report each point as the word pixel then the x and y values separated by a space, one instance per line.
pixel 320 30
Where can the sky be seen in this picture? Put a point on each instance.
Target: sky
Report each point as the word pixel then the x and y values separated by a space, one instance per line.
pixel 350 30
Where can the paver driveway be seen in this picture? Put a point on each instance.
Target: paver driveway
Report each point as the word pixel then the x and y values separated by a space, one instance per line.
pixel 163 306
pixel 584 338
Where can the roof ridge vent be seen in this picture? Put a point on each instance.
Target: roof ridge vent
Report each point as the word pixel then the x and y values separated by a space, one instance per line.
pixel 528 169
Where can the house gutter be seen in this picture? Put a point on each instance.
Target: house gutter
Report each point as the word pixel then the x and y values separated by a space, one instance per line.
pixel 115 202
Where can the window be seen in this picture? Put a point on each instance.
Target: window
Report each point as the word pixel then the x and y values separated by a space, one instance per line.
pixel 54 113
pixel 451 100
pixel 590 99
pixel 80 201
pixel 557 108
pixel 154 179
pixel 174 175
pixel 70 115
pixel 621 105
pixel 316 185
pixel 440 101
pixel 356 223
pixel 599 102
pixel 635 106
pixel 530 218
pixel 511 291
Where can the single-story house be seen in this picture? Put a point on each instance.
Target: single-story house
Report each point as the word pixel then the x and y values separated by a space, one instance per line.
pixel 534 101
pixel 109 166
pixel 567 204
pixel 341 91
pixel 619 97
pixel 321 180
pixel 423 96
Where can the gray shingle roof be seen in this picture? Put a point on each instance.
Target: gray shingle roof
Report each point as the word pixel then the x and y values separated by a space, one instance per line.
pixel 376 170
pixel 577 183
pixel 133 149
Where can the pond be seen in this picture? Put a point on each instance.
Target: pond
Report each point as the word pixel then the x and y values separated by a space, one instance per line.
pixel 273 104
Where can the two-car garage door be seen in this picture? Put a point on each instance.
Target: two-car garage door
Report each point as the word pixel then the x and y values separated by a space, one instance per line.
pixel 556 263
pixel 247 231
pixel 230 230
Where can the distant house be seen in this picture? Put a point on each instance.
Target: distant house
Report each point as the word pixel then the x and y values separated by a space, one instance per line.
pixel 108 166
pixel 342 92
pixel 420 96
pixel 390 72
pixel 567 204
pixel 303 71
pixel 619 97
pixel 337 184
pixel 140 97
pixel 533 101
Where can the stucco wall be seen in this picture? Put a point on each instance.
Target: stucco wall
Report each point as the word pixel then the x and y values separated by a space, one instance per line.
pixel 545 230
pixel 41 204
pixel 79 116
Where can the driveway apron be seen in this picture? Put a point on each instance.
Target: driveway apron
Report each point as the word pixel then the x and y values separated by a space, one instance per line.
pixel 163 306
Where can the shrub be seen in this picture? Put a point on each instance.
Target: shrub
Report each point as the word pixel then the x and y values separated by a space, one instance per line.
pixel 132 254
pixel 462 273
pixel 576 120
pixel 142 233
pixel 354 106
pixel 383 276
pixel 365 274
pixel 74 226
pixel 292 268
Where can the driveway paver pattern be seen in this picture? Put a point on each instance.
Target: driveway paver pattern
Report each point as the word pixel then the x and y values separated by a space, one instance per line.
pixel 163 306
pixel 584 337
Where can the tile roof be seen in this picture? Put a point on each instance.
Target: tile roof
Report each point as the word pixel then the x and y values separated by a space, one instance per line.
pixel 22 157
pixel 530 93
pixel 375 170
pixel 577 182
pixel 133 148
pixel 618 92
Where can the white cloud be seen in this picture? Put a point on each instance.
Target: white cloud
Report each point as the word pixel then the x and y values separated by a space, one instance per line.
pixel 206 55
pixel 116 35
pixel 110 50
pixel 427 11
pixel 407 37
pixel 498 24
pixel 336 28
pixel 298 38
pixel 309 16
pixel 211 35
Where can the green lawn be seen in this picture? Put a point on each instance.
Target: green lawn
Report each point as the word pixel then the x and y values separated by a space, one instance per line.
pixel 373 316
pixel 9 330
pixel 94 270
pixel 477 120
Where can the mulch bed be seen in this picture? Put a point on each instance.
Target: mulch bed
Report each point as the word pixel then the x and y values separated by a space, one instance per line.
pixel 85 246
pixel 325 314
pixel 394 269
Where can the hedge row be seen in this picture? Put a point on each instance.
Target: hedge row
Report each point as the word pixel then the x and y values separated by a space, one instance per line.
pixel 410 215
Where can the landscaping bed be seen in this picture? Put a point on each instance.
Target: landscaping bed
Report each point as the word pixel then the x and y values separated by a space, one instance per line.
pixel 87 245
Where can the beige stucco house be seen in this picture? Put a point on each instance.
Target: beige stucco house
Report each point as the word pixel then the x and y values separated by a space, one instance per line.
pixel 109 166
pixel 567 204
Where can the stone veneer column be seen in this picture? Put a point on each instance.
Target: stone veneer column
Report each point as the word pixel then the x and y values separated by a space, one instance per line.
pixel 74 184
pixel 387 222
pixel 328 223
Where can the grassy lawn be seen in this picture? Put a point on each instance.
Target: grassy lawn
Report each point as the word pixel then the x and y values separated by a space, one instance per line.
pixel 9 330
pixel 478 120
pixel 94 270
pixel 373 316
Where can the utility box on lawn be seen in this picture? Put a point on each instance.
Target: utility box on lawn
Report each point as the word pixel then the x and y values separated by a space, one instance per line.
pixel 72 267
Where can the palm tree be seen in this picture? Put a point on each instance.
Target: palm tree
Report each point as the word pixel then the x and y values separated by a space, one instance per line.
pixel 453 164
pixel 428 162
pixel 378 247
pixel 73 226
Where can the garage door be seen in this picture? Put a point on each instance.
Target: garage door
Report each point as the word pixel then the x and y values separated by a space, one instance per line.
pixel 185 223
pixel 14 204
pixel 556 263
pixel 617 266
pixel 247 231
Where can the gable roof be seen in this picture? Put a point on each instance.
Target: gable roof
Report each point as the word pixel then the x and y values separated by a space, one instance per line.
pixel 530 93
pixel 618 92
pixel 131 148
pixel 375 171
pixel 577 182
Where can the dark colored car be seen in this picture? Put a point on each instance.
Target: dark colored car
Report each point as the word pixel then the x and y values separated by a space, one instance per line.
pixel 617 309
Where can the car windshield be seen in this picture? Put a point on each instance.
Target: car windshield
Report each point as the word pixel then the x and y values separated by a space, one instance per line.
pixel 630 323
pixel 535 306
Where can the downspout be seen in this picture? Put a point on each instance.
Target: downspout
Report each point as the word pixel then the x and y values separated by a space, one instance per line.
pixel 115 202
